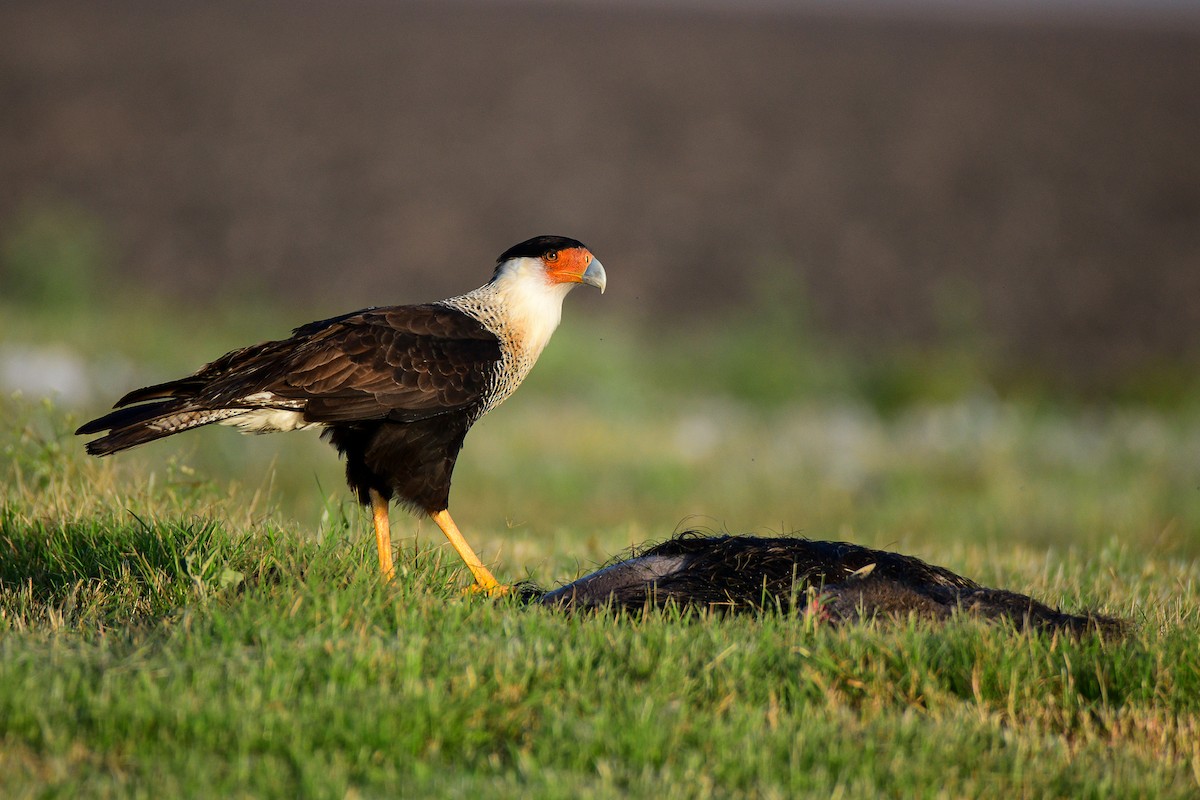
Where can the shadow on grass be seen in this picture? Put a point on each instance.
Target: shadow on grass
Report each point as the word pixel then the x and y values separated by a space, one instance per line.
pixel 108 568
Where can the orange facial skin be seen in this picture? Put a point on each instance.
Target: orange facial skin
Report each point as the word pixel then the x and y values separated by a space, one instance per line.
pixel 567 266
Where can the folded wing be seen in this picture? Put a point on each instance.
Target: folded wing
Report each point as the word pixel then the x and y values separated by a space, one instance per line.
pixel 402 364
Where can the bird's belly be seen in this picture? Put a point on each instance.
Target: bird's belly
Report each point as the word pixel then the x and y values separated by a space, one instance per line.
pixel 269 420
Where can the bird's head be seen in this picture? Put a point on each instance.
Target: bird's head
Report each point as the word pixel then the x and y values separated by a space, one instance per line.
pixel 555 261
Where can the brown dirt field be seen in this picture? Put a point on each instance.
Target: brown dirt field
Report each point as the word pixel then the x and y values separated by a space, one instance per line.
pixel 1036 185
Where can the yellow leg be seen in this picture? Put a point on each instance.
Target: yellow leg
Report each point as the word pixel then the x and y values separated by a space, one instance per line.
pixel 484 580
pixel 383 535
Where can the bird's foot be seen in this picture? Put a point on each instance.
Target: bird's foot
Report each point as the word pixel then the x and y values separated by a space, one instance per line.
pixel 494 591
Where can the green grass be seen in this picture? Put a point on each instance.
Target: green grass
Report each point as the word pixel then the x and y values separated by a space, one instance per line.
pixel 202 617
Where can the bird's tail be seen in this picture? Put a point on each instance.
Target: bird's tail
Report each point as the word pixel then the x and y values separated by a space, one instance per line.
pixel 128 427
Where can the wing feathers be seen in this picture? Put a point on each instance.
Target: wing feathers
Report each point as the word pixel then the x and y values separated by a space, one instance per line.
pixel 158 391
pixel 145 423
pixel 410 362
pixel 404 363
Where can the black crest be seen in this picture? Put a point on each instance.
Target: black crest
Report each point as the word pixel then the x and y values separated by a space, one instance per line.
pixel 538 246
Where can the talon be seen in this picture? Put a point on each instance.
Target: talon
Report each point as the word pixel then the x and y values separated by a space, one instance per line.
pixel 494 592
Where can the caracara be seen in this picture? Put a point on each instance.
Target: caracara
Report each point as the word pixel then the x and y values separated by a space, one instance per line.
pixel 395 389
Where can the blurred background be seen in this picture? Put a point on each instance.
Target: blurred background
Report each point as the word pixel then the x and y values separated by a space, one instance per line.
pixel 896 175
pixel 877 206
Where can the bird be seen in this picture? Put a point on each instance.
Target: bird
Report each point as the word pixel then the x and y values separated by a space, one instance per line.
pixel 394 388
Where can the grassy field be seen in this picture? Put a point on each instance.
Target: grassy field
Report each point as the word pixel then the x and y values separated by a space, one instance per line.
pixel 202 617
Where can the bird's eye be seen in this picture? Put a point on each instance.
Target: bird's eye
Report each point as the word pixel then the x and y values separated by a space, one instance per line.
pixel 551 256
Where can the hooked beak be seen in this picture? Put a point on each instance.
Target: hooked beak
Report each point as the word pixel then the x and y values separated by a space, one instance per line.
pixel 594 275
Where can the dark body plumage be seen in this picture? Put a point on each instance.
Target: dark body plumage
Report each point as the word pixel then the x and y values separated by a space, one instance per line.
pixel 396 389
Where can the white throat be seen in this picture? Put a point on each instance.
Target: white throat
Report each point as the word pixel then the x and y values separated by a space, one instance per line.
pixel 519 305
pixel 534 305
pixel 523 309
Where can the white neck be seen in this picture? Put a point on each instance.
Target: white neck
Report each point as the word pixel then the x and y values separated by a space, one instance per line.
pixel 519 305
pixel 522 308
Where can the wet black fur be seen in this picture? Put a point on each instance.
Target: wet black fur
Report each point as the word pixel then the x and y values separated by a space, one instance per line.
pixel 837 580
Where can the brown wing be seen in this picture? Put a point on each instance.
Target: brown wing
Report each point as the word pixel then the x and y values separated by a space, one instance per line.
pixel 402 363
